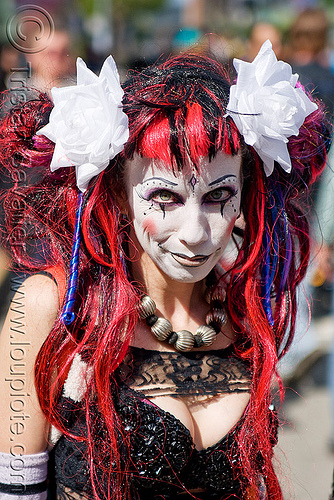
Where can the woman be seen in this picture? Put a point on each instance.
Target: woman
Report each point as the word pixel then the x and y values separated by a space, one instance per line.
pixel 154 365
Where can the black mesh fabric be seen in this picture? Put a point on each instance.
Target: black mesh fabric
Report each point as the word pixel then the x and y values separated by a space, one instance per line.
pixel 165 373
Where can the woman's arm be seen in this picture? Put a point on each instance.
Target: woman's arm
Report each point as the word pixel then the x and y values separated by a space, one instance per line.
pixel 30 318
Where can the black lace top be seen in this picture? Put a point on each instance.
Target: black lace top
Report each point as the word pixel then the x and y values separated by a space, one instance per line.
pixel 157 448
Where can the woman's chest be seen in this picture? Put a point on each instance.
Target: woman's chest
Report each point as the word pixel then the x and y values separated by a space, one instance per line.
pixel 175 421
pixel 207 392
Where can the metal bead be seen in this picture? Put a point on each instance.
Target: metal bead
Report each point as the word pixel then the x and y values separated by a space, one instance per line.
pixel 216 316
pixel 218 294
pixel 146 307
pixel 185 341
pixel 207 334
pixel 162 328
pixel 215 294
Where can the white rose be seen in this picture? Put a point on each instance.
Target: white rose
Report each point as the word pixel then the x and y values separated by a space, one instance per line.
pixel 266 106
pixel 87 123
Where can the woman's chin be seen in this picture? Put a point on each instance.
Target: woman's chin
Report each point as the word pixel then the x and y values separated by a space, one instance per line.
pixel 184 273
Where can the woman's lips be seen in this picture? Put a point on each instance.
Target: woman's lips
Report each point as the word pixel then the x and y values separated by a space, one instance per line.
pixel 196 261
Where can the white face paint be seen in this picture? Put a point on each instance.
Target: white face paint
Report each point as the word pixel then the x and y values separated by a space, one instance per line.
pixel 184 221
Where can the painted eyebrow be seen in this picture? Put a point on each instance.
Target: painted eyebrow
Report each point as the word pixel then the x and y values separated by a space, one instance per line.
pixel 220 179
pixel 160 179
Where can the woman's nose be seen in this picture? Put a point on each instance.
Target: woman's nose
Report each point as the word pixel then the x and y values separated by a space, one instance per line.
pixel 194 227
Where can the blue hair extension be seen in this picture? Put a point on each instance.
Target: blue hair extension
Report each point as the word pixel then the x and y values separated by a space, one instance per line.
pixel 271 254
pixel 124 264
pixel 122 255
pixel 288 254
pixel 283 235
pixel 68 314
pixel 276 252
pixel 276 239
pixel 266 283
pixel 271 247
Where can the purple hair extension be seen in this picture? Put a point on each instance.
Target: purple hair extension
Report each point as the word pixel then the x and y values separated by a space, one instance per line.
pixel 266 284
pixel 288 254
pixel 269 268
pixel 68 314
pixel 281 233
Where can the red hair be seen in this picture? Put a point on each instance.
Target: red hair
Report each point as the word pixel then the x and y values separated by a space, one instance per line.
pixel 176 112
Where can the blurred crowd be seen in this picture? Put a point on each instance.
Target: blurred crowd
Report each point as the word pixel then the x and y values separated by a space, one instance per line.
pixel 306 45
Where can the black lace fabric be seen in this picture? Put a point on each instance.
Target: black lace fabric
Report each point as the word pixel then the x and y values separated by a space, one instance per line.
pixel 65 493
pixel 164 373
pixel 164 462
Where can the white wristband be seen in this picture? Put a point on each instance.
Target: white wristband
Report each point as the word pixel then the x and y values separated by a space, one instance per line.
pixel 23 477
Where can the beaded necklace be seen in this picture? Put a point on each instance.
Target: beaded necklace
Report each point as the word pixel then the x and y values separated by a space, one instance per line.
pixel 184 340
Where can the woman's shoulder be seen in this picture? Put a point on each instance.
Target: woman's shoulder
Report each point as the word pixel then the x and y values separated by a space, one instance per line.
pixel 33 309
pixel 31 316
pixel 40 292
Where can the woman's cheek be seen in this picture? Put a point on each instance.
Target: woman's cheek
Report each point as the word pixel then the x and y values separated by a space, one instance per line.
pixel 231 209
pixel 149 227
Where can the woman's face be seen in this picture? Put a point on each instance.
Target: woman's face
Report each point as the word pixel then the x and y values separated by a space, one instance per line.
pixel 184 220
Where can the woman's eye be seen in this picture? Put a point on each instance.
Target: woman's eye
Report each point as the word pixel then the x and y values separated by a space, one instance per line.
pixel 163 197
pixel 218 195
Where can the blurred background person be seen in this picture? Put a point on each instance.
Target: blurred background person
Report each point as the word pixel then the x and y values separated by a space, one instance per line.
pixel 324 260
pixel 55 65
pixel 10 58
pixel 308 53
pixel 260 32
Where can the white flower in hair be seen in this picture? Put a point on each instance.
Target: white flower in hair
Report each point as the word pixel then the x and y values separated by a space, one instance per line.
pixel 267 107
pixel 87 123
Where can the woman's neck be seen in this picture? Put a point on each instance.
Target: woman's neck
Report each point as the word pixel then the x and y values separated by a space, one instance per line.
pixel 182 303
